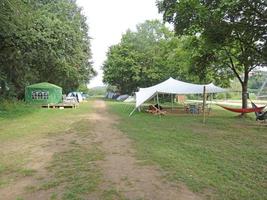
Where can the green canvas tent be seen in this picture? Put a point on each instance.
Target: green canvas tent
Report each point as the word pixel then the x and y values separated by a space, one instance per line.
pixel 43 93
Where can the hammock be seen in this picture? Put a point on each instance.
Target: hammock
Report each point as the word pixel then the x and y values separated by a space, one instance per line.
pixel 243 110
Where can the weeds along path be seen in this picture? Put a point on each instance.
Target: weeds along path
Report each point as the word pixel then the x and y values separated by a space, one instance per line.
pixel 122 172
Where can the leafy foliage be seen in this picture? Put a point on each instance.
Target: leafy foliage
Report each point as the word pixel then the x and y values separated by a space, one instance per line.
pixel 233 32
pixel 152 54
pixel 43 41
pixel 134 62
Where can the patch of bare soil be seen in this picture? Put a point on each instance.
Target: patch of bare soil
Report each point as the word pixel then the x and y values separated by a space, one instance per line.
pixel 121 169
pixel 39 154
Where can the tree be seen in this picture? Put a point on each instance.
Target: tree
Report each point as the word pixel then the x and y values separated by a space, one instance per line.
pixel 234 33
pixel 152 54
pixel 11 20
pixel 43 41
pixel 136 60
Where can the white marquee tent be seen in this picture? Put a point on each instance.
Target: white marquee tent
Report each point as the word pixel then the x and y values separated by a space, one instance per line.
pixel 172 86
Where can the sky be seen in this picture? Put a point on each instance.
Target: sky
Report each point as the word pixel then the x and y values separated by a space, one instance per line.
pixel 108 20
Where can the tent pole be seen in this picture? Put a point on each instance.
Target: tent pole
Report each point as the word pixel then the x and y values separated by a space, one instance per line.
pixel 132 112
pixel 204 104
pixel 158 103
pixel 172 100
pixel 158 99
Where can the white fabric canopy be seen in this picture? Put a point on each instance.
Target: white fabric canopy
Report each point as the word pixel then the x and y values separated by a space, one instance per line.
pixel 172 86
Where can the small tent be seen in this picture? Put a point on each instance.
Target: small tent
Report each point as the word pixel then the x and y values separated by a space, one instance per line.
pixel 172 86
pixel 76 95
pixel 43 93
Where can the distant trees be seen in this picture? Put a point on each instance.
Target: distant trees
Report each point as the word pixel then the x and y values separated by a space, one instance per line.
pixel 152 54
pixel 43 41
pixel 233 34
pixel 257 80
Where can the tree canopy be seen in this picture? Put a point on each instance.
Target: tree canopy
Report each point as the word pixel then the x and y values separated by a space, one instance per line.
pixel 43 41
pixel 152 54
pixel 134 61
pixel 233 33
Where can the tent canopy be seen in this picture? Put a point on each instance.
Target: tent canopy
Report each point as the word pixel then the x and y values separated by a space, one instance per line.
pixel 44 85
pixel 172 86
pixel 43 93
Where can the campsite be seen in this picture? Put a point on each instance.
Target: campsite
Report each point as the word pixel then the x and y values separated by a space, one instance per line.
pixel 67 155
pixel 133 100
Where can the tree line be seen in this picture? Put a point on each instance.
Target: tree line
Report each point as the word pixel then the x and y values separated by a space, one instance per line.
pixel 152 53
pixel 43 41
pixel 211 41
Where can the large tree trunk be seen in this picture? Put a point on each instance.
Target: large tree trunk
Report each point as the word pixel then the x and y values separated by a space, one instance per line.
pixel 244 96
pixel 245 91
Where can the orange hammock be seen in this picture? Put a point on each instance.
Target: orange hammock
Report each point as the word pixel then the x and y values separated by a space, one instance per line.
pixel 243 110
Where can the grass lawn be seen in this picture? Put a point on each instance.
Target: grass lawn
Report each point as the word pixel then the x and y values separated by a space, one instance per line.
pixel 18 120
pixel 72 169
pixel 226 158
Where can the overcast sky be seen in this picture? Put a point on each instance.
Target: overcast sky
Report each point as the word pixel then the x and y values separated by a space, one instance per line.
pixel 108 20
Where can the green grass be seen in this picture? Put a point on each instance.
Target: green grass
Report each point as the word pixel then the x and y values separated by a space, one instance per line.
pixel 225 158
pixel 75 169
pixel 14 109
pixel 22 124
pixel 112 194
pixel 12 167
pixel 73 173
pixel 25 120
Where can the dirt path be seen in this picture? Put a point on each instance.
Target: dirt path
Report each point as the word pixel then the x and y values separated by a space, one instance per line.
pixel 122 173
pixel 121 169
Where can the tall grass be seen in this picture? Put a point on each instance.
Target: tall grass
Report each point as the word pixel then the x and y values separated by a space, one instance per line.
pixel 13 109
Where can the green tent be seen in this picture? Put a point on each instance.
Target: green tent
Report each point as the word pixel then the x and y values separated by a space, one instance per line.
pixel 43 93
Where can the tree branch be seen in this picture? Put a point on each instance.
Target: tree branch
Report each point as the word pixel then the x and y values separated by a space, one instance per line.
pixel 251 68
pixel 232 66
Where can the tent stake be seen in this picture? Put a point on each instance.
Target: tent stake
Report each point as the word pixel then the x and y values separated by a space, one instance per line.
pixel 204 104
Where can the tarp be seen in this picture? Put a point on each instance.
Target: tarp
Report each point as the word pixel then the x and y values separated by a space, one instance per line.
pixel 172 86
